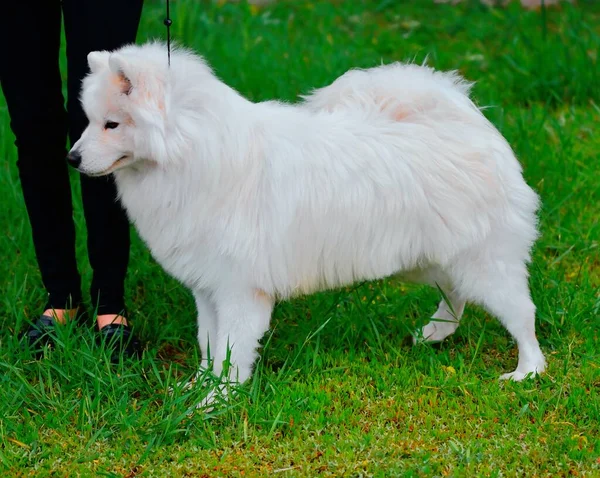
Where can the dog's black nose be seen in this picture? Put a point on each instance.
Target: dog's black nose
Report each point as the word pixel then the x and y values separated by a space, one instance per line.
pixel 74 158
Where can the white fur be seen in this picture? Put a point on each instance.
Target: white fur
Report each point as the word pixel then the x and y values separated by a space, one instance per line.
pixel 387 171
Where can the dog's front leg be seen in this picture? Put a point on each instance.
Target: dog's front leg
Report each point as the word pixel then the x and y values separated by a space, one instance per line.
pixel 207 326
pixel 243 317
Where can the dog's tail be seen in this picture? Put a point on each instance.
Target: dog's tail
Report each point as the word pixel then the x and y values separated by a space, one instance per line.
pixel 398 90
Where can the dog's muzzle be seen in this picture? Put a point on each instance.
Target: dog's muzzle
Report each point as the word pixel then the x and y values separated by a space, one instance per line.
pixel 74 158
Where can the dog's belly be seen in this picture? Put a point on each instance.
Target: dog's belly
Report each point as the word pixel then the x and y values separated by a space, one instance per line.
pixel 332 259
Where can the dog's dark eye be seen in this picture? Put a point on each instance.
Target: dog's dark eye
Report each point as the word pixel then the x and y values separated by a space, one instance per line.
pixel 110 125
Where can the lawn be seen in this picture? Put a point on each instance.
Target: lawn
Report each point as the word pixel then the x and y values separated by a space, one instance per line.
pixel 340 391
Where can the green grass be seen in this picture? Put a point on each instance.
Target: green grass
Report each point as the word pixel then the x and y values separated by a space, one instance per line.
pixel 339 391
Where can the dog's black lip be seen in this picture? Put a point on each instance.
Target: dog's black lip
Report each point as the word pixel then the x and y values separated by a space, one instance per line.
pixel 109 170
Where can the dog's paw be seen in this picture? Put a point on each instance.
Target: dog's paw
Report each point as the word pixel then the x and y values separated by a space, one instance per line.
pixel 216 394
pixel 436 331
pixel 535 365
pixel 517 376
pixel 530 372
pixel 203 378
pixel 216 397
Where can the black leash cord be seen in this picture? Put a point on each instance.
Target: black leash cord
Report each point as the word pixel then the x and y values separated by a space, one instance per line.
pixel 168 22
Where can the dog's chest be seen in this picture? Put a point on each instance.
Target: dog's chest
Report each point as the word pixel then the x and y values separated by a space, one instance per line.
pixel 173 224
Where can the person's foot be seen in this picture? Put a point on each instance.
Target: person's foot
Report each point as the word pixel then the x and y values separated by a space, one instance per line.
pixel 114 331
pixel 40 332
pixel 61 315
pixel 106 319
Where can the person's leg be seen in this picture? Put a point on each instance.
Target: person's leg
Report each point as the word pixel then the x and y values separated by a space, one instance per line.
pixel 100 25
pixel 31 83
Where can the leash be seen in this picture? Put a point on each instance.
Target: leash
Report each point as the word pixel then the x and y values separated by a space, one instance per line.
pixel 168 22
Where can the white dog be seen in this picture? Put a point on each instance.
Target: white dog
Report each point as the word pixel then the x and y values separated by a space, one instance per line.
pixel 387 171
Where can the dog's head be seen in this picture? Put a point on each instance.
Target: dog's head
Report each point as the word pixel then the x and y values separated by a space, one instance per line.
pixel 124 100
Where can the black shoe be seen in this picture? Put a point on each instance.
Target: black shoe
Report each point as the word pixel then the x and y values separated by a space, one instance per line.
pixel 41 332
pixel 120 339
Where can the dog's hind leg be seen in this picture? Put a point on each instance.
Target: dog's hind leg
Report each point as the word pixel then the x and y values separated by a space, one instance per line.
pixel 500 285
pixel 446 319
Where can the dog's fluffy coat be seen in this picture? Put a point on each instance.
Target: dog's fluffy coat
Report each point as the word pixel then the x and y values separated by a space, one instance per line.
pixel 391 170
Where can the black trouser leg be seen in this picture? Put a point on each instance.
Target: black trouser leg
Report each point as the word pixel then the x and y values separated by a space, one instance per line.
pixel 100 25
pixel 30 77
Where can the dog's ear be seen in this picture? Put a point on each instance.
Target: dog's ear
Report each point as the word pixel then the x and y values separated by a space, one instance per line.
pixel 118 65
pixel 97 60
